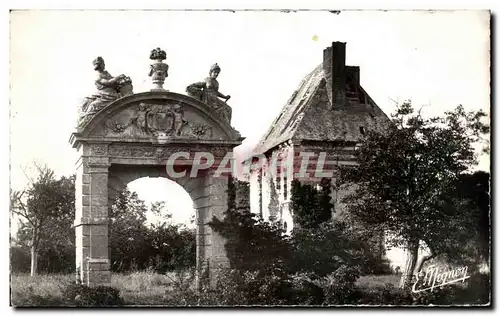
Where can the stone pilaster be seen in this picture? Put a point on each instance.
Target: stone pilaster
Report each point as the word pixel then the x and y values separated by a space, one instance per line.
pixel 210 199
pixel 200 201
pixel 91 222
pixel 216 188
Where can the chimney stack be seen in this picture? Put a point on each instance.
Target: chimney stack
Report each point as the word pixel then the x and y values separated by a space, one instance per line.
pixel 335 71
pixel 352 81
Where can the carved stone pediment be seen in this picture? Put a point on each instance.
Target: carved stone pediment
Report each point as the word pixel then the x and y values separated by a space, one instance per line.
pixel 157 117
pixel 146 120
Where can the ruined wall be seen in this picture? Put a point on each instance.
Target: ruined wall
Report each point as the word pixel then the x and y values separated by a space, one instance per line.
pixel 242 189
pixel 254 192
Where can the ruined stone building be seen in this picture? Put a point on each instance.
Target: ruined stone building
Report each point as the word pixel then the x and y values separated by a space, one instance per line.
pixel 328 113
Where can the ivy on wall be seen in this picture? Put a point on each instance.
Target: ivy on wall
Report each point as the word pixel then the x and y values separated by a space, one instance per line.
pixel 238 194
pixel 259 181
pixel 251 243
pixel 310 206
pixel 274 203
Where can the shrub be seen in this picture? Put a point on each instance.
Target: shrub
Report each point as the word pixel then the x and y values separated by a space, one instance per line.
pixel 82 295
pixel 20 259
pixel 251 243
pixel 307 290
pixel 475 293
pixel 384 295
pixel 273 287
pixel 478 290
pixel 230 288
pixel 325 249
pixel 340 286
pixel 248 288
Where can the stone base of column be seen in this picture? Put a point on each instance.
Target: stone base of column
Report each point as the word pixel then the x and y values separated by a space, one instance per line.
pixel 202 274
pixel 219 266
pixel 98 272
pixel 210 271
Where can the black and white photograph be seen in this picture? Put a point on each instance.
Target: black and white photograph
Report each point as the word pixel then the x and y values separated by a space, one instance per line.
pixel 250 158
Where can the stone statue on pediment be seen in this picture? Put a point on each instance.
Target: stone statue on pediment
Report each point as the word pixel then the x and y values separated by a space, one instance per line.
pixel 207 91
pixel 109 89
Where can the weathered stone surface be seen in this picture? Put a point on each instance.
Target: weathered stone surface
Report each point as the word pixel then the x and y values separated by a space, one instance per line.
pixel 109 88
pixel 99 210
pixel 85 189
pixel 99 184
pixel 159 70
pixel 99 200
pixel 98 164
pixel 208 92
pixel 98 230
pixel 98 149
pixel 98 250
pixel 99 241
pixel 79 221
pixel 132 138
pixel 161 120
pixel 85 200
pixel 202 202
pixel 86 179
pixel 99 277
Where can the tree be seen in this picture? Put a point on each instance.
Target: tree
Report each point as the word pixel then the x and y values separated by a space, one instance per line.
pixel 172 246
pixel 474 189
pixel 57 253
pixel 135 245
pixel 160 211
pixel 128 232
pixel 406 180
pixel 47 210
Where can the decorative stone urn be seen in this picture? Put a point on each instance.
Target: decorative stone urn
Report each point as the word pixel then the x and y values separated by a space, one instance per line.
pixel 159 70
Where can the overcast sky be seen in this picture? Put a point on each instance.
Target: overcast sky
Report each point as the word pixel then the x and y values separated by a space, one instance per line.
pixel 438 59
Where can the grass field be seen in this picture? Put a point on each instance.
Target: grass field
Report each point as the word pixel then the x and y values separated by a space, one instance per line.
pixel 143 288
pixel 138 288
pixel 372 281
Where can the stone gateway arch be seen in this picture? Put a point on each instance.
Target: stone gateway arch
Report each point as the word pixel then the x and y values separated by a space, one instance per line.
pixel 136 136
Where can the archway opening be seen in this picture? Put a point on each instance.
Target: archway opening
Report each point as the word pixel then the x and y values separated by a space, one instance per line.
pixel 152 227
pixel 176 200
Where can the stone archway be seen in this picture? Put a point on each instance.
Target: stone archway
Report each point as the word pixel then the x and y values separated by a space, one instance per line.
pixel 147 134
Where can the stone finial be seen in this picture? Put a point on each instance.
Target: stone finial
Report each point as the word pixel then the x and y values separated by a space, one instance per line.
pixel 158 70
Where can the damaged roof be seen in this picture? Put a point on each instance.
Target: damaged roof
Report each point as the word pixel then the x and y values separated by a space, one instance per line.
pixel 310 114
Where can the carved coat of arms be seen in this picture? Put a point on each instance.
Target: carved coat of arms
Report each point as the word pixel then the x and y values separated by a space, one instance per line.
pixel 160 120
